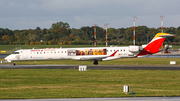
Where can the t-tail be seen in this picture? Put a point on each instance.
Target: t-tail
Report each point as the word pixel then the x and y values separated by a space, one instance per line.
pixel 154 45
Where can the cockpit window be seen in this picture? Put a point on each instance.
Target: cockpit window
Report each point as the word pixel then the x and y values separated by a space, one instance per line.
pixel 15 53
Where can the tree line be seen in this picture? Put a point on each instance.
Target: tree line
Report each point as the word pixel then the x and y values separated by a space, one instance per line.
pixel 60 33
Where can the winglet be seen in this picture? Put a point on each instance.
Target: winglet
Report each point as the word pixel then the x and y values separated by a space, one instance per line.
pixel 113 54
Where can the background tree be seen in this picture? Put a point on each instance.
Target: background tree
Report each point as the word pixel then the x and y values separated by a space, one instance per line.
pixel 129 33
pixel 61 32
pixel 6 39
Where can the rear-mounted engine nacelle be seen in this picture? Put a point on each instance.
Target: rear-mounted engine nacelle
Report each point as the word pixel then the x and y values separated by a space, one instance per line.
pixel 135 48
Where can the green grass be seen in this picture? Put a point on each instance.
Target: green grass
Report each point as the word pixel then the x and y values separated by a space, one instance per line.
pixel 60 83
pixel 175 46
pixel 122 61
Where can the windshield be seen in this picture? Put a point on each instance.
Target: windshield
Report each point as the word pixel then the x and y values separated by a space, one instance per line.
pixel 15 53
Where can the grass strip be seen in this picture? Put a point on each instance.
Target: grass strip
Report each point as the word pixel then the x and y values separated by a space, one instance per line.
pixel 47 83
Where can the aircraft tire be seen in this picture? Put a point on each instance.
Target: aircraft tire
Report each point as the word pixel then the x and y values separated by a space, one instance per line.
pixel 95 62
pixel 14 64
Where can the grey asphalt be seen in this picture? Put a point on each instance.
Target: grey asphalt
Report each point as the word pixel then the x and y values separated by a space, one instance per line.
pixel 107 67
pixel 104 99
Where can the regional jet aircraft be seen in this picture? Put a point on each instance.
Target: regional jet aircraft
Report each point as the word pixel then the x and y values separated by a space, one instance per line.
pixel 89 54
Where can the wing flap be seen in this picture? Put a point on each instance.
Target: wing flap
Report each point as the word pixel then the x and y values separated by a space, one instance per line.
pixel 98 57
pixel 94 57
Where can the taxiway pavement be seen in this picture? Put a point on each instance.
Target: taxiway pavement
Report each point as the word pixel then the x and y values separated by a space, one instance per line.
pixel 107 67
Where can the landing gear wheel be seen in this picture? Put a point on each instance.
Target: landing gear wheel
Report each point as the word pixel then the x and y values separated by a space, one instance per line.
pixel 14 64
pixel 95 62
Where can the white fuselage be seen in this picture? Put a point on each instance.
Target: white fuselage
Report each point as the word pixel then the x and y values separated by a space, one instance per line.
pixel 90 53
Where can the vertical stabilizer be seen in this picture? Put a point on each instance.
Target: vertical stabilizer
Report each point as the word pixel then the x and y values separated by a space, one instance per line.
pixel 154 45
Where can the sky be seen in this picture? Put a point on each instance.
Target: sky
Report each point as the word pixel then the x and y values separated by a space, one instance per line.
pixel 29 14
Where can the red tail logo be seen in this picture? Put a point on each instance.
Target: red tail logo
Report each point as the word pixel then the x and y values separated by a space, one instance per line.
pixel 155 44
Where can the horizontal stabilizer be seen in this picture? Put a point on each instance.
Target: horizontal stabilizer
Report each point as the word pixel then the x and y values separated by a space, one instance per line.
pixel 166 35
pixel 163 35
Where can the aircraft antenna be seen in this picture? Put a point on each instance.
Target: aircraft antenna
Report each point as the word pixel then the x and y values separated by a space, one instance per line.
pixel 134 31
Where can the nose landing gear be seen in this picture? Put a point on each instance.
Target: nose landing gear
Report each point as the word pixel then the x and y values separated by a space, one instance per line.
pixel 14 64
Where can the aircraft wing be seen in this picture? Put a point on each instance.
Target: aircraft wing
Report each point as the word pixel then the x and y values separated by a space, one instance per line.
pixel 94 57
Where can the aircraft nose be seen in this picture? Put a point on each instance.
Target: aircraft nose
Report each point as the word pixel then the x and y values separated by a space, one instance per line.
pixel 8 58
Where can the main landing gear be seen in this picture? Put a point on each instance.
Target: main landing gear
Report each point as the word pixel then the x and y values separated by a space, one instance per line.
pixel 95 62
